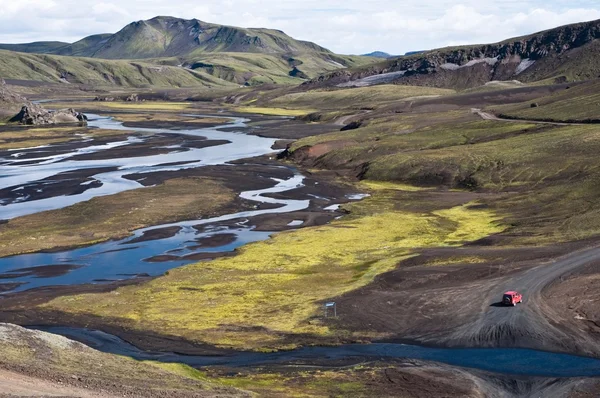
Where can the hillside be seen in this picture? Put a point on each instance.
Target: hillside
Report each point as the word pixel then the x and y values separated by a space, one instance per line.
pixel 89 71
pixel 209 70
pixel 56 366
pixel 175 53
pixel 566 53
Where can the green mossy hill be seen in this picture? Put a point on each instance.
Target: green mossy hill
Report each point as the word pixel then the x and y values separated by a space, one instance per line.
pixel 100 73
pixel 547 176
pixel 168 36
pixel 176 53
pixel 211 70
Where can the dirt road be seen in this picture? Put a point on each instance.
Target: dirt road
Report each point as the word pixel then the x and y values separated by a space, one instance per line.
pixel 533 323
pixel 490 116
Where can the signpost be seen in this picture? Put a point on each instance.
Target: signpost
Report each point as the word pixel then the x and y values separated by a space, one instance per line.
pixel 330 306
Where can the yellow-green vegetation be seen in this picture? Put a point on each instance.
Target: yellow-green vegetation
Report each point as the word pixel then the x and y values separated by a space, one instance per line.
pixel 578 103
pixel 378 185
pixel 458 259
pixel 272 111
pixel 168 117
pixel 106 217
pixel 55 356
pixel 354 98
pixel 147 105
pixel 273 289
pixel 26 137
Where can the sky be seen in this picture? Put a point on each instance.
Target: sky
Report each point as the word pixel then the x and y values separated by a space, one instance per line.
pixel 345 27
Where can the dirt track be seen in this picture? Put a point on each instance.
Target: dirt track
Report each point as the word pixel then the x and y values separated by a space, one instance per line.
pixel 534 323
pixel 490 116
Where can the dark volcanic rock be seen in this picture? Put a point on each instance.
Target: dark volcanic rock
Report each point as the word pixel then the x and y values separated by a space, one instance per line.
pixel 33 114
pixel 351 126
pixel 470 66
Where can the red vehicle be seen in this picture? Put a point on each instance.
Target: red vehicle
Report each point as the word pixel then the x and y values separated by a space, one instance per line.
pixel 512 298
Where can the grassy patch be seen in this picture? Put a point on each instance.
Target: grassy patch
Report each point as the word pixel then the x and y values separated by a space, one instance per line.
pixel 274 288
pixel 168 117
pixel 112 216
pixel 148 105
pixel 378 185
pixel 26 137
pixel 272 111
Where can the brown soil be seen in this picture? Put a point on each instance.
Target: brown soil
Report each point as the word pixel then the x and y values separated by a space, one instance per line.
pixel 42 271
pixel 576 299
pixel 455 304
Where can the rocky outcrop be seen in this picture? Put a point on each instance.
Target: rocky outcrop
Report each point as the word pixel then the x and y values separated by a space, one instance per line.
pixel 8 96
pixel 33 114
pixel 455 67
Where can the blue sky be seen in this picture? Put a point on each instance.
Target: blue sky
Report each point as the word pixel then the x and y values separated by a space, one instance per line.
pixel 350 26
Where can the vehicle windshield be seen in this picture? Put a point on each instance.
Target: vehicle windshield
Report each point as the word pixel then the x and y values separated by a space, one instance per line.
pixel 507 297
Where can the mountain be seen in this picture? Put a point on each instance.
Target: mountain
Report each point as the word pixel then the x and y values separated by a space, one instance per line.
pixel 169 36
pixel 378 54
pixel 184 53
pixel 566 53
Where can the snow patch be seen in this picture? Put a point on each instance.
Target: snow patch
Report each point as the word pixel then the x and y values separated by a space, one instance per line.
pixel 358 196
pixel 375 79
pixel 336 64
pixel 473 62
pixel 526 63
pixel 450 66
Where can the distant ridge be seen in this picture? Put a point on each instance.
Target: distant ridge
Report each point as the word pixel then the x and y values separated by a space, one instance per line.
pixel 378 54
pixel 168 36
pixel 563 54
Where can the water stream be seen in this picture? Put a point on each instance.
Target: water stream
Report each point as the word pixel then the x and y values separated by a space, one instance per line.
pixel 132 256
pixel 514 361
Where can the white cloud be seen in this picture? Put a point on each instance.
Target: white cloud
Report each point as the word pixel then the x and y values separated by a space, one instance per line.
pixel 357 26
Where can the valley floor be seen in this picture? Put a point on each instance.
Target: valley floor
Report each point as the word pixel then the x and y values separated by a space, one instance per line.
pixel 459 210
